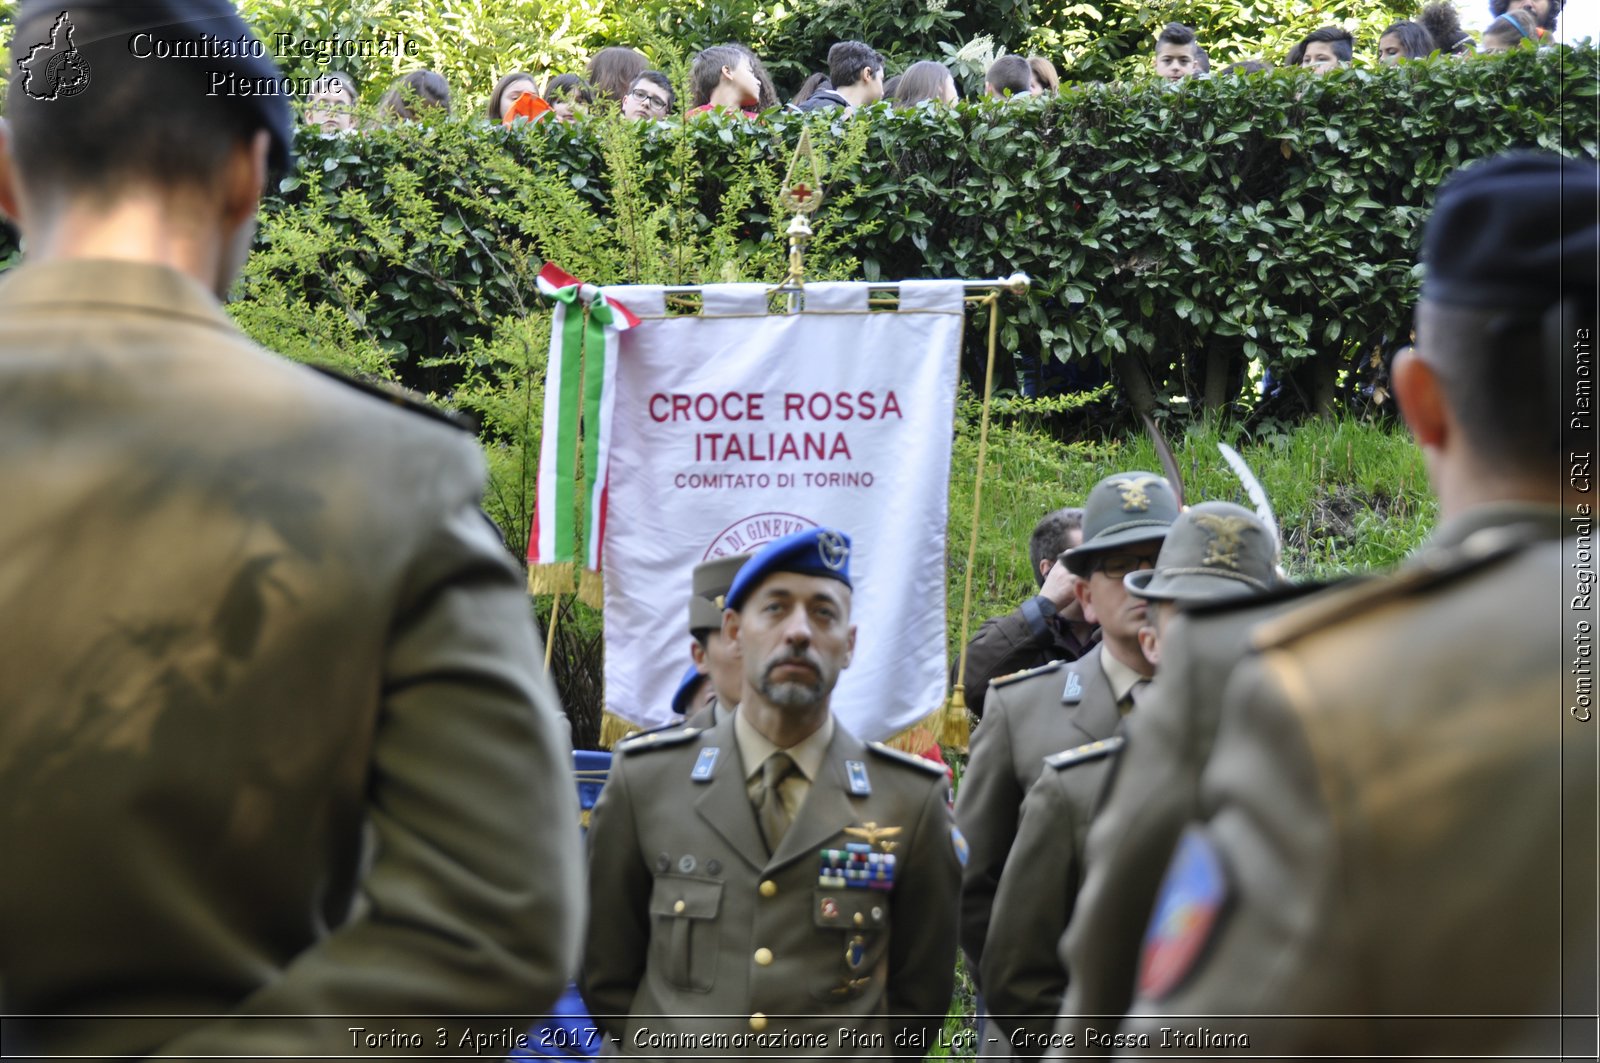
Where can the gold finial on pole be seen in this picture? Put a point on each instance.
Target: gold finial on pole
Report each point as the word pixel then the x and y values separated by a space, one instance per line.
pixel 801 195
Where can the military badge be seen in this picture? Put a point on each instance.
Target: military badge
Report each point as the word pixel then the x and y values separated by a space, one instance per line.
pixel 958 841
pixel 1134 497
pixel 860 785
pixel 856 867
pixel 829 908
pixel 1224 538
pixel 832 549
pixel 1074 688
pixel 855 953
pixel 872 834
pixel 1192 897
pixel 705 765
pixel 687 864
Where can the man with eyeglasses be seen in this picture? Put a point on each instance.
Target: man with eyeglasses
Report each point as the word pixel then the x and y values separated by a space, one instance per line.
pixel 650 96
pixel 1214 551
pixel 1036 713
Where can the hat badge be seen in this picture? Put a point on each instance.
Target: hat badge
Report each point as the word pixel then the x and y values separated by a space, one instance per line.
pixel 1134 497
pixel 832 549
pixel 1224 539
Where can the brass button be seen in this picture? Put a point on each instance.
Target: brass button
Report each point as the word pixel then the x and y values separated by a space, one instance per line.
pixel 676 908
pixel 758 1022
pixel 860 919
pixel 769 888
pixel 763 957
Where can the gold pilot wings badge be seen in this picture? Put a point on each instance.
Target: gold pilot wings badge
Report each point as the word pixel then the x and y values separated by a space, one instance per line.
pixel 872 834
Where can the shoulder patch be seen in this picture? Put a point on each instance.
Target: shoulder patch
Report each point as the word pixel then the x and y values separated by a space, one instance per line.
pixel 406 399
pixel 642 743
pixel 908 759
pixel 1027 673
pixel 1353 597
pixel 1085 753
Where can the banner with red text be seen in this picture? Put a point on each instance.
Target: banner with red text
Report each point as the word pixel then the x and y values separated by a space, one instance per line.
pixel 737 426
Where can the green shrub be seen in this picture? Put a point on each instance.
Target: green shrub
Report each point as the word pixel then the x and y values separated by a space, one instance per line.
pixel 1194 238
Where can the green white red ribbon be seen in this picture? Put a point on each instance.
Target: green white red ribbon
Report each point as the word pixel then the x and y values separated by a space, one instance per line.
pixel 579 388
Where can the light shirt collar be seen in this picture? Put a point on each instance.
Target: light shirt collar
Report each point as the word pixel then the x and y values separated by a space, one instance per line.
pixel 755 747
pixel 1120 676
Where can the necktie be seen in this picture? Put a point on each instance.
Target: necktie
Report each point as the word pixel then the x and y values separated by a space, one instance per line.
pixel 771 814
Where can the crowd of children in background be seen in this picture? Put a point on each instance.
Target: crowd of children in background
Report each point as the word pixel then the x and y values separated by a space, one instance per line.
pixel 731 77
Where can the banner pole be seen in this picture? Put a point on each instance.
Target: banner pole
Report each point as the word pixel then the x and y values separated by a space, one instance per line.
pixel 550 630
pixel 957 726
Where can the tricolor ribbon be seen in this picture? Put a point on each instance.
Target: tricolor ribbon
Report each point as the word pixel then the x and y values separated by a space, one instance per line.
pixel 578 398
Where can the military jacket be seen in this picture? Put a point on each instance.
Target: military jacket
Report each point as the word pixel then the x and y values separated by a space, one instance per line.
pixel 696 930
pixel 254 622
pixel 1394 838
pixel 1039 713
pixel 1023 978
pixel 1020 640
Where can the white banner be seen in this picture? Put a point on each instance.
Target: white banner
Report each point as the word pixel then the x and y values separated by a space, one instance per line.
pixel 735 427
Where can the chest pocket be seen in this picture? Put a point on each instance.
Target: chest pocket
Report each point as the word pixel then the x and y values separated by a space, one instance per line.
pixel 683 914
pixel 854 926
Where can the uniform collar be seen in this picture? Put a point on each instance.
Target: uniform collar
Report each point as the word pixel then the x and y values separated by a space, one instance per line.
pixel 99 283
pixel 1538 522
pixel 1120 676
pixel 755 747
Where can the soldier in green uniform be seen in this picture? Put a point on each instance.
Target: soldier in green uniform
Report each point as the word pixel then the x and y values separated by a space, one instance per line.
pixel 713 657
pixel 1046 710
pixel 1387 821
pixel 277 760
pixel 774 885
pixel 1214 550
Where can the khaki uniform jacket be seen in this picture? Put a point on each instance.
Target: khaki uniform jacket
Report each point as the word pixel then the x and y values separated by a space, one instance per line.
pixel 1392 835
pixel 252 617
pixel 1023 979
pixel 1054 708
pixel 1151 797
pixel 697 930
pixel 1020 640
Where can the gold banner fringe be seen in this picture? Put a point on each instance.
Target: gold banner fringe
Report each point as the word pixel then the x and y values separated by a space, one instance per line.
pixel 614 729
pixel 931 732
pixel 555 578
pixel 954 726
pixel 591 588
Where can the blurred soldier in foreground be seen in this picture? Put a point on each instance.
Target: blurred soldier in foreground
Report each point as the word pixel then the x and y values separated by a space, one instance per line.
pixel 774 886
pixel 1387 822
pixel 1214 550
pixel 251 615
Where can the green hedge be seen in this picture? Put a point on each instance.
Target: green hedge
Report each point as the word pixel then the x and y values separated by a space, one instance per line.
pixel 1192 237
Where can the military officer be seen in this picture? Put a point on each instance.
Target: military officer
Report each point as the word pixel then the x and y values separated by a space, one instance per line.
pixel 805 905
pixel 1387 821
pixel 713 657
pixel 1214 550
pixel 252 616
pixel 1037 713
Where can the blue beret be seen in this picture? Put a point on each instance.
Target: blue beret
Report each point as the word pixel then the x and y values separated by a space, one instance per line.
pixel 209 34
pixel 687 686
pixel 813 552
pixel 1514 232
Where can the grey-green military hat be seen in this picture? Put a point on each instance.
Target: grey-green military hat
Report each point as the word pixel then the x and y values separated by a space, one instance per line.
pixel 1213 550
pixel 712 581
pixel 1130 507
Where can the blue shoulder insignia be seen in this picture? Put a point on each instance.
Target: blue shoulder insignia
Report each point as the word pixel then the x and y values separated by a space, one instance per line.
pixel 1043 669
pixel 641 743
pixel 908 759
pixel 1085 753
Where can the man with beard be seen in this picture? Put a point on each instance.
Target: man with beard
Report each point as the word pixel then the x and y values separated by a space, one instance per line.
pixel 806 901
